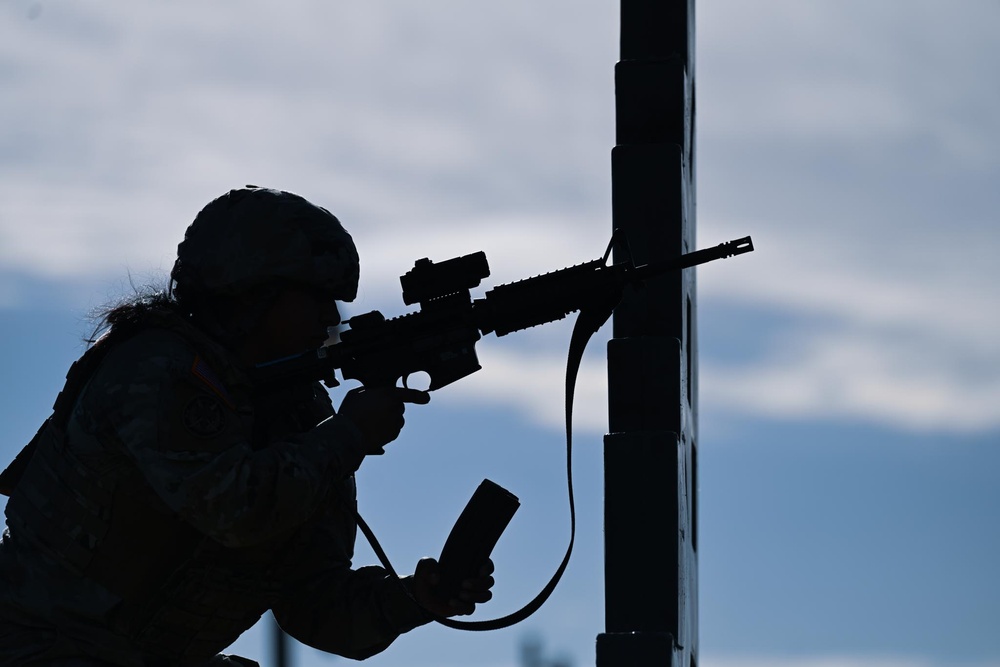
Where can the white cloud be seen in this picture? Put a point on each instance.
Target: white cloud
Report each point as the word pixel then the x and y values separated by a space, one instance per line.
pixel 857 378
pixel 369 111
pixel 516 246
pixel 912 344
pixel 859 147
pixel 852 71
pixel 534 384
pixel 855 142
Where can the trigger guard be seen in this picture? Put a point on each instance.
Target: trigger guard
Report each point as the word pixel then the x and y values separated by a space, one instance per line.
pixel 420 384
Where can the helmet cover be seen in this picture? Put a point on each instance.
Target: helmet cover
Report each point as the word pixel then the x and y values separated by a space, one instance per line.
pixel 254 236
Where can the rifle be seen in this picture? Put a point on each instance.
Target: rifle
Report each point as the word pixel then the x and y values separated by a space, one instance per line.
pixel 440 338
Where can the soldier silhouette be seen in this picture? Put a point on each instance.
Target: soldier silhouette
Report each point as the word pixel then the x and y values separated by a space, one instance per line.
pixel 167 503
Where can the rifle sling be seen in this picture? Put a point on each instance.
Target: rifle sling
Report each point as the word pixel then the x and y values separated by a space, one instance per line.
pixel 590 319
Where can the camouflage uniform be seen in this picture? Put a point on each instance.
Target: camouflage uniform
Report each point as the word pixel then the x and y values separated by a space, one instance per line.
pixel 176 505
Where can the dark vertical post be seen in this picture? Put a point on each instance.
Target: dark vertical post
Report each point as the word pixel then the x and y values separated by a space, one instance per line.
pixel 651 572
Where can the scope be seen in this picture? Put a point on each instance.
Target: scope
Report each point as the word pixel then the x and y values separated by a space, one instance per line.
pixel 427 280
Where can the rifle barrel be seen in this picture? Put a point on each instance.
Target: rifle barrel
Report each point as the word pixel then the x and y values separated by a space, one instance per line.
pixel 721 251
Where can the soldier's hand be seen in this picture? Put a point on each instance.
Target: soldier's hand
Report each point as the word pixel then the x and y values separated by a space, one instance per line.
pixel 378 413
pixel 473 591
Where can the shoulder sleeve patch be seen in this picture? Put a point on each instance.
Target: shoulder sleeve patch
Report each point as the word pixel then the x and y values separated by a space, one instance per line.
pixel 204 372
pixel 203 416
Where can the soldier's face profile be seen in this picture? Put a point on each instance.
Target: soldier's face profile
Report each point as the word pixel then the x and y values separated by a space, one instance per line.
pixel 297 321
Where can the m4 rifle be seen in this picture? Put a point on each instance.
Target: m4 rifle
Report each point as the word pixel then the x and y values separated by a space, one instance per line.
pixel 440 338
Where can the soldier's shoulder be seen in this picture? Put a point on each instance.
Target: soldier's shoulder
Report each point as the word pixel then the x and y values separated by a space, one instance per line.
pixel 153 349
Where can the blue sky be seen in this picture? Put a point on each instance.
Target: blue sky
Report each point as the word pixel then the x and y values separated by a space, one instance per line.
pixel 850 369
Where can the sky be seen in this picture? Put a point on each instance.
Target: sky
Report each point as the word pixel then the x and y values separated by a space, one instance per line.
pixel 850 369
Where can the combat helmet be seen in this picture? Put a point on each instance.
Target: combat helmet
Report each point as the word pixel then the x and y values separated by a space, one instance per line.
pixel 253 237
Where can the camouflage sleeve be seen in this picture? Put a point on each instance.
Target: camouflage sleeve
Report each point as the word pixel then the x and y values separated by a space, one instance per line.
pixel 364 611
pixel 329 606
pixel 192 445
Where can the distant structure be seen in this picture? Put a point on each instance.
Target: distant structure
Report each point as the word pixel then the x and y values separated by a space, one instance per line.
pixel 532 654
pixel 651 451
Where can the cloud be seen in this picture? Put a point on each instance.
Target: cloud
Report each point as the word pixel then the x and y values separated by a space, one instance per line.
pixel 856 143
pixel 113 131
pixel 860 378
pixel 534 384
pixel 850 71
pixel 915 349
pixel 860 150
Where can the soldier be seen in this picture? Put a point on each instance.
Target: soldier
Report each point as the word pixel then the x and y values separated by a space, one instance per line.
pixel 167 503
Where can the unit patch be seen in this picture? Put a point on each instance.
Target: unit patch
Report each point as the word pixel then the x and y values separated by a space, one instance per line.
pixel 201 370
pixel 203 416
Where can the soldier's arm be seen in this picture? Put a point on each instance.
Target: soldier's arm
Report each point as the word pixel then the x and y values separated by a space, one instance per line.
pixel 360 613
pixel 193 446
pixel 329 606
